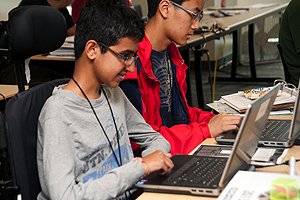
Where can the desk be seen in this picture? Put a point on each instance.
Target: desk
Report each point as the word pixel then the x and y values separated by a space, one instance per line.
pixel 40 57
pixel 9 90
pixel 232 25
pixel 61 66
pixel 294 151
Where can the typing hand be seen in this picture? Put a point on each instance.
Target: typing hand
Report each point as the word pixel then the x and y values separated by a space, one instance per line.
pixel 158 161
pixel 223 122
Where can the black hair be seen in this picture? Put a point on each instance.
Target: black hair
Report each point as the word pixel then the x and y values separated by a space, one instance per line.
pixel 153 6
pixel 107 21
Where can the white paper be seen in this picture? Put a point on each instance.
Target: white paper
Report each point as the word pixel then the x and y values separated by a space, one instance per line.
pixel 263 5
pixel 247 185
pixel 239 102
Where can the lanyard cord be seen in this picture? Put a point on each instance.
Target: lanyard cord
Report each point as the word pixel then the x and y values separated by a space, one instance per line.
pixel 101 124
pixel 115 125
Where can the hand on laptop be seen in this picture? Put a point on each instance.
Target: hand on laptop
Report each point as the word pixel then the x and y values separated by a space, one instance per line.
pixel 158 161
pixel 223 122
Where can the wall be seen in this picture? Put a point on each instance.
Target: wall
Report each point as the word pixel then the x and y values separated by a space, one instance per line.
pixel 6 6
pixel 143 4
pixel 246 2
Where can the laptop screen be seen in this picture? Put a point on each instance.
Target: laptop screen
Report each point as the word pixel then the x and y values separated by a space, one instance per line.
pixel 295 126
pixel 249 134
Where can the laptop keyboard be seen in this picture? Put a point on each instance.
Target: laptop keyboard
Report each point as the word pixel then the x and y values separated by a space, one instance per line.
pixel 275 129
pixel 205 172
pixel 213 150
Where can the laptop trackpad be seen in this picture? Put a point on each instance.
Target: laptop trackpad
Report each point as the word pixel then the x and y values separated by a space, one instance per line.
pixel 227 137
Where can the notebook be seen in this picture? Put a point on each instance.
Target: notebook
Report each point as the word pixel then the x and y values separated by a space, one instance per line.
pixel 208 175
pixel 277 133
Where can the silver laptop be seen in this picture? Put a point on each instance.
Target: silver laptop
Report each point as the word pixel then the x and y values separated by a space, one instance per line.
pixel 277 133
pixel 208 175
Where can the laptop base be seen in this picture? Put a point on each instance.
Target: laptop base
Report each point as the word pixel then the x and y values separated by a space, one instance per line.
pixel 180 161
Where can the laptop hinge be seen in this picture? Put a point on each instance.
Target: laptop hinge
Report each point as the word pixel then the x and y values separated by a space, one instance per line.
pixel 243 156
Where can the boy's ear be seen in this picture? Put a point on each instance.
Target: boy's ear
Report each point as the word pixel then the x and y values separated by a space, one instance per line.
pixel 91 49
pixel 164 8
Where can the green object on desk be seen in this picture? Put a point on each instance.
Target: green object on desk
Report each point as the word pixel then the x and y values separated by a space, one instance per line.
pixel 284 188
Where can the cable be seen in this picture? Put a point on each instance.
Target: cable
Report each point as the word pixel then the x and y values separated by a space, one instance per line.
pixel 201 48
pixel 212 29
pixel 215 70
pixel 4 98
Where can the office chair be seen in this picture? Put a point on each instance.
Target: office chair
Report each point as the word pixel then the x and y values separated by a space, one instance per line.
pixel 287 76
pixel 22 112
pixel 30 30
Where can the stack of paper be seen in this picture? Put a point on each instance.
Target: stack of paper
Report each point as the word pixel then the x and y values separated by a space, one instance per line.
pixel 66 50
pixel 252 185
pixel 239 102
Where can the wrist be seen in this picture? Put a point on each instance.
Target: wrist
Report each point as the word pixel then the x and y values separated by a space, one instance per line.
pixel 145 165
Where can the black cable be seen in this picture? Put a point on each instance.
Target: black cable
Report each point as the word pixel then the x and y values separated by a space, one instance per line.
pixel 202 48
pixel 4 99
pixel 209 75
pixel 209 66
pixel 114 123
pixel 117 138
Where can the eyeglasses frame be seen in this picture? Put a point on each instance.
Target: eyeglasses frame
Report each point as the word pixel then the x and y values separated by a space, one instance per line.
pixel 124 58
pixel 195 15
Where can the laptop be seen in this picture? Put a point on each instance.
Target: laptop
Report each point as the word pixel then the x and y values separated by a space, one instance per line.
pixel 208 175
pixel 277 133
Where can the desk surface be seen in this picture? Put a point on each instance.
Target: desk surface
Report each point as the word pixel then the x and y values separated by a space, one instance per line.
pixel 40 57
pixel 293 151
pixel 9 90
pixel 232 23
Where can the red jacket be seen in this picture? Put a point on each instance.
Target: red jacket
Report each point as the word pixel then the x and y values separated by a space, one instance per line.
pixel 183 137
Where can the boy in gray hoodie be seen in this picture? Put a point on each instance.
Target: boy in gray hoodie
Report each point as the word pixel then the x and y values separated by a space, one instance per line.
pixel 83 147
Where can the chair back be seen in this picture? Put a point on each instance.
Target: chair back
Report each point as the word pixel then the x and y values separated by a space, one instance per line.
pixel 22 112
pixel 287 75
pixel 35 30
pixel 30 30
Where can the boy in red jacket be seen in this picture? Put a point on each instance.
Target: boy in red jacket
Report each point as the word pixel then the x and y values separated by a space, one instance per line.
pixel 158 87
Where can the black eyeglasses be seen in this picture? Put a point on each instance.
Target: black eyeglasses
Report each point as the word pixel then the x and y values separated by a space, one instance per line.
pixel 126 60
pixel 196 16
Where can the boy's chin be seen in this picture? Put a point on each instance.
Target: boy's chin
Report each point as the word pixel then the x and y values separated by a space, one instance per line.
pixel 182 42
pixel 114 85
